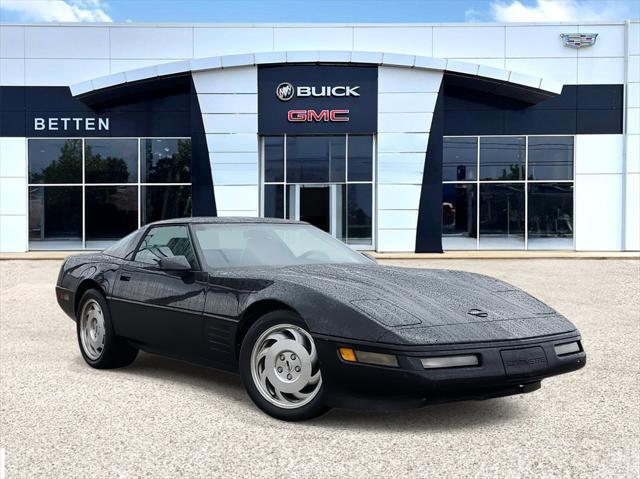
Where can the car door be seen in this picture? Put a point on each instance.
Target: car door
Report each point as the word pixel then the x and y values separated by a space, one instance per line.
pixel 157 308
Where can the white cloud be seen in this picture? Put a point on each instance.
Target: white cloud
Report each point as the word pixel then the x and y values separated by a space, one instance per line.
pixel 560 11
pixel 58 10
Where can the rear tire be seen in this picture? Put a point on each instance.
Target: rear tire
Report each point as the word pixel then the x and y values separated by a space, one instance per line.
pixel 99 346
pixel 280 368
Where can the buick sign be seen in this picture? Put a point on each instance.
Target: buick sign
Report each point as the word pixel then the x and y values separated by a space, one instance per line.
pixel 285 91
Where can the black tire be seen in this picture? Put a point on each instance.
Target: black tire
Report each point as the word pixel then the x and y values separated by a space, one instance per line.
pixel 115 352
pixel 310 410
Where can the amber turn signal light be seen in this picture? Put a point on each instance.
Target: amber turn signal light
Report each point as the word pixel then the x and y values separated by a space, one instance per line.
pixel 348 354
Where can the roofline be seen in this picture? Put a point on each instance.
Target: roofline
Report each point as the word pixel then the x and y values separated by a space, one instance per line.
pixel 529 82
pixel 312 24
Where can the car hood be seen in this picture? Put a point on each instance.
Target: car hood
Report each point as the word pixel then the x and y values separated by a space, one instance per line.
pixel 431 306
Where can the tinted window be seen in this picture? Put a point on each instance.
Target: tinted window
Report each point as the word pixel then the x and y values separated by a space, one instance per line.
pixel 316 159
pixel 165 161
pixel 273 158
pixel 166 241
pixel 360 158
pixel 165 202
pixel 550 158
pixel 459 216
pixel 55 213
pixel 502 158
pixel 274 201
pixel 110 211
pixel 111 161
pixel 359 213
pixel 550 214
pixel 55 161
pixel 502 216
pixel 459 159
pixel 125 247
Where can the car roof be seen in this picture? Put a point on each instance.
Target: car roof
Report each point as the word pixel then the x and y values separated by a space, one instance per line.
pixel 225 220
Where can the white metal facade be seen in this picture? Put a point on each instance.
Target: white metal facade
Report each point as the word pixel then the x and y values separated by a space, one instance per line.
pixel 607 167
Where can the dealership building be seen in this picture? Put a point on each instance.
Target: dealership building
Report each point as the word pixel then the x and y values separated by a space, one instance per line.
pixel 390 137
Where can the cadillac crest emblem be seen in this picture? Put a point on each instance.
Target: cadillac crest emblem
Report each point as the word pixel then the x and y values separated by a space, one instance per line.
pixel 578 40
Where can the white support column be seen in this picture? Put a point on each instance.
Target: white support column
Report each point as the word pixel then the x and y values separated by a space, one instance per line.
pixel 229 104
pixel 13 195
pixel 406 101
pixel 631 217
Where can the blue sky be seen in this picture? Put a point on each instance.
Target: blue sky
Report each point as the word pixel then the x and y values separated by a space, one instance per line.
pixel 383 11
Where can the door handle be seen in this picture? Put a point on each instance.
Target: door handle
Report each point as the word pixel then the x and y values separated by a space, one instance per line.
pixel 125 277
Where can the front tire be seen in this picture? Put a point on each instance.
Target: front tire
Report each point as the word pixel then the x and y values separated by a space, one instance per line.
pixel 99 346
pixel 280 368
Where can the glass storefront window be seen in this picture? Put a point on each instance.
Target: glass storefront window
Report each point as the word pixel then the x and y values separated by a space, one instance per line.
pixel 459 209
pixel 550 158
pixel 165 160
pixel 55 215
pixel 274 158
pixel 111 212
pixel 501 216
pixel 57 190
pixel 516 211
pixel 316 159
pixel 329 183
pixel 359 213
pixel 550 222
pixel 502 158
pixel 360 158
pixel 163 202
pixel 55 161
pixel 111 161
pixel 274 201
pixel 460 159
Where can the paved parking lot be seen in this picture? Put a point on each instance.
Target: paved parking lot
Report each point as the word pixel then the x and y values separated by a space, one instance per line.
pixel 166 419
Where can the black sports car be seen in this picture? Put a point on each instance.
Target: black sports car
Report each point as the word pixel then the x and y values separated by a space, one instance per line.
pixel 309 323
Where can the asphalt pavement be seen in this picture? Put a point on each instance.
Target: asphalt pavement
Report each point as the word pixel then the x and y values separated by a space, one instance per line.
pixel 162 418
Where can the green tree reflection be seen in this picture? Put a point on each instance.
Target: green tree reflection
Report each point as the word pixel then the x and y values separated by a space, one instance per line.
pixel 104 170
pixel 67 168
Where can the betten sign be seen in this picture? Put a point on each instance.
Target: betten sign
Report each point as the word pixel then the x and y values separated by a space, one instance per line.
pixel 317 99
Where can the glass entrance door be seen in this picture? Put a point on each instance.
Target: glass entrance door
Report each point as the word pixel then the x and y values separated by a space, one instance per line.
pixel 326 180
pixel 315 206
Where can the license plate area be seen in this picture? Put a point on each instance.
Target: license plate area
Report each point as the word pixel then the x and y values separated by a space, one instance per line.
pixel 524 362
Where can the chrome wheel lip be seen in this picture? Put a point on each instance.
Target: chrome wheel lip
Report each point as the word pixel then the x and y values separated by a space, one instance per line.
pixel 286 346
pixel 92 329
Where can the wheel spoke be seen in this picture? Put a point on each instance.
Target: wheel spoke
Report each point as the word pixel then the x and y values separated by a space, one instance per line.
pixel 315 379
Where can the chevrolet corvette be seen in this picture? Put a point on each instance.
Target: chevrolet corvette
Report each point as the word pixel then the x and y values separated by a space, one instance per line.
pixel 307 322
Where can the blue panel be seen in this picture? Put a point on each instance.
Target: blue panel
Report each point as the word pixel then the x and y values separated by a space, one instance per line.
pixel 275 118
pixel 429 230
pixel 580 109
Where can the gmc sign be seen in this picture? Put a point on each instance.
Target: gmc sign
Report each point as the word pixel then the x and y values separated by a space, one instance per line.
pixel 323 115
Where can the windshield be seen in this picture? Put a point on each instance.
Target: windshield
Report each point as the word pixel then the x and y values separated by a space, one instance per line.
pixel 236 245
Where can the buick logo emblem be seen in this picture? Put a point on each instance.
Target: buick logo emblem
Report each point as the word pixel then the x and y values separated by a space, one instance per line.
pixel 285 91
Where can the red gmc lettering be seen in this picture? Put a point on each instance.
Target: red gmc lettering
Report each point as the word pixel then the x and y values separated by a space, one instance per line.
pixel 317 116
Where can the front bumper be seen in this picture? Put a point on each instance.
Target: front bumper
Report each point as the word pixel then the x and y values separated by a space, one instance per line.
pixel 505 368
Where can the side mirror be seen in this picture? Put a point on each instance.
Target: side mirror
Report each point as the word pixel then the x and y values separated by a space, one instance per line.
pixel 175 263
